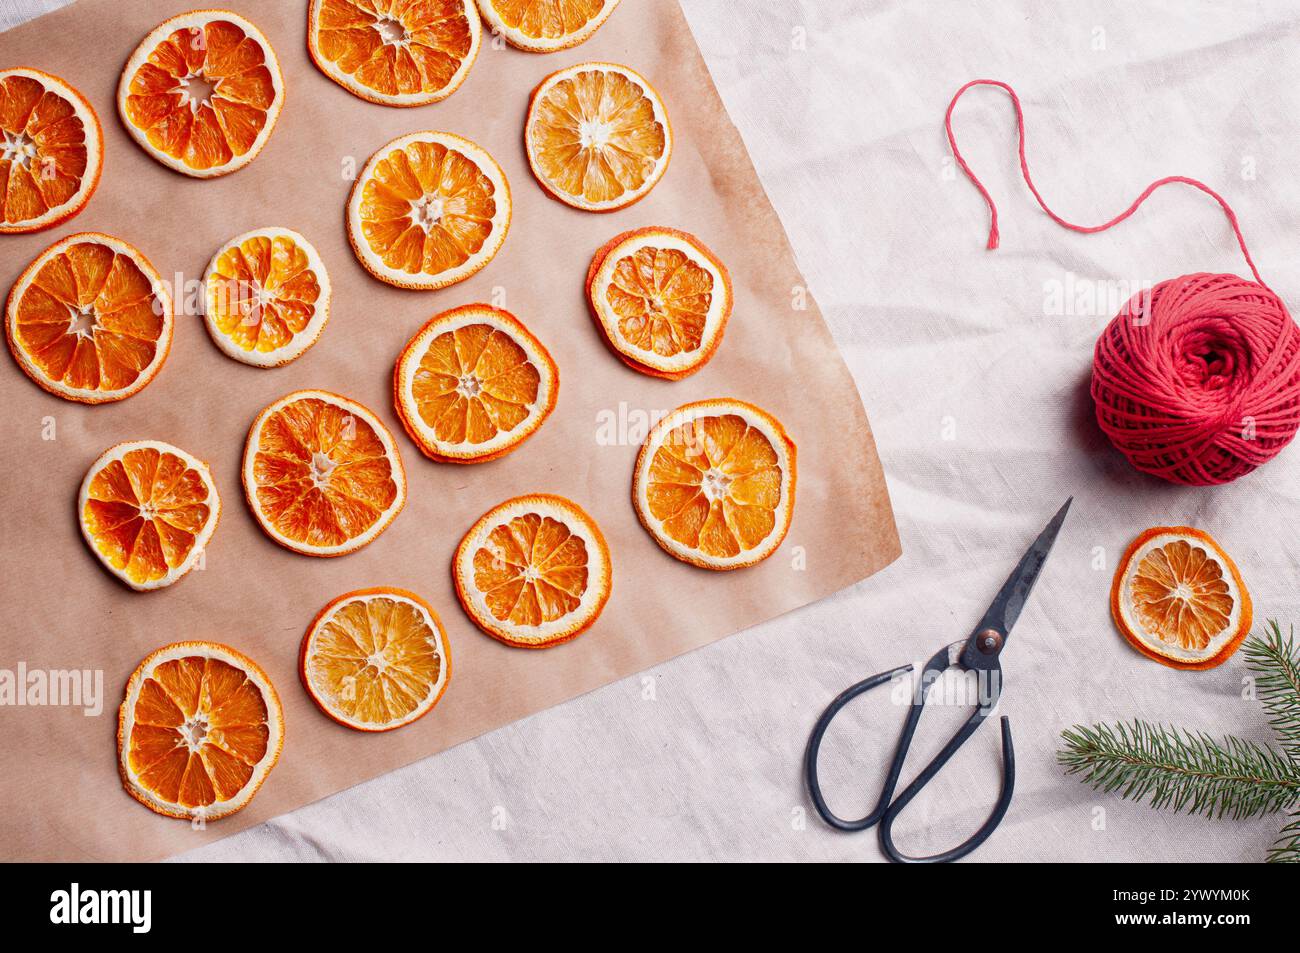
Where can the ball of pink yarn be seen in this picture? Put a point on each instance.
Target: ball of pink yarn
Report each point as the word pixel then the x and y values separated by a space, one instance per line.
pixel 1197 381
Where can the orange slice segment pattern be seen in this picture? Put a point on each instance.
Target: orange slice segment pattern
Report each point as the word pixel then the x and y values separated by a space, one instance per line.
pixel 145 513
pixel 662 300
pixel 716 485
pixel 376 661
pixel 596 137
pixel 532 570
pixel 263 292
pixel 545 26
pixel 394 48
pixel 473 383
pixel 1181 595
pixel 200 729
pixel 204 94
pixel 92 322
pixel 322 477
pixel 548 19
pixel 1178 598
pixel 48 155
pixel 427 208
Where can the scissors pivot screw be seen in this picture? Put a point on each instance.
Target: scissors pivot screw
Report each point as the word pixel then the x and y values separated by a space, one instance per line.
pixel 989 641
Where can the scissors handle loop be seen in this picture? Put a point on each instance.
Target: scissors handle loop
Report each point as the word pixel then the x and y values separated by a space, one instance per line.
pixel 994 818
pixel 815 744
pixel 887 808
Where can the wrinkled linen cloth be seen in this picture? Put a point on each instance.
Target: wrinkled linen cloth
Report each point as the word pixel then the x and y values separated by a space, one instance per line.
pixel 973 367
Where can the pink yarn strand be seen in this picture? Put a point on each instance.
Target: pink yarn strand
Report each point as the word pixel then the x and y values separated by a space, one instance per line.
pixel 1084 229
pixel 1196 380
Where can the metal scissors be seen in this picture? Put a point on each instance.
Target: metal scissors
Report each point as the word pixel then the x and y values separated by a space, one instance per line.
pixel 977 653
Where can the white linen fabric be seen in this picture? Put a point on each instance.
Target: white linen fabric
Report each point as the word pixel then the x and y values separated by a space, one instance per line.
pixel 973 366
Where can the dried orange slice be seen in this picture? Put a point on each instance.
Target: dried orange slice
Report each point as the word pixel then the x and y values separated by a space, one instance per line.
pixel 544 26
pixel 202 92
pixel 51 153
pixel 376 659
pixel 662 299
pixel 322 473
pixel 90 319
pixel 266 297
pixel 147 510
pixel 533 572
pixel 428 210
pixel 199 730
pixel 473 384
pixel 715 483
pixel 597 136
pixel 394 52
pixel 1179 599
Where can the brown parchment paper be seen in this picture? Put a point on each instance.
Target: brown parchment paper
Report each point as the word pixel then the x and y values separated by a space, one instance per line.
pixel 60 797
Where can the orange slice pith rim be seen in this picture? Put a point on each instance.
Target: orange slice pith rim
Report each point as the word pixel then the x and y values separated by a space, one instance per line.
pixel 544 26
pixel 473 384
pixel 533 572
pixel 266 297
pixel 90 319
pixel 715 483
pixel 147 510
pixel 429 209
pixel 376 659
pixel 51 150
pixel 1178 598
pixel 597 136
pixel 322 474
pixel 199 729
pixel 394 53
pixel 662 300
pixel 202 93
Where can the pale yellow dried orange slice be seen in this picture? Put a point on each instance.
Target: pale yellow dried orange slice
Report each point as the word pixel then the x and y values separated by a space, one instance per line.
pixel 544 26
pixel 266 296
pixel 662 300
pixel 90 319
pixel 147 510
pixel 51 150
pixel 474 384
pixel 202 93
pixel 376 659
pixel 1179 599
pixel 429 209
pixel 533 572
pixel 394 52
pixel 715 483
pixel 322 474
pixel 597 136
pixel 199 730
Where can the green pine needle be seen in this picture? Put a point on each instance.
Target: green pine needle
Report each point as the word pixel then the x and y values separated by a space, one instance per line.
pixel 1273 658
pixel 1286 849
pixel 1190 771
pixel 1182 770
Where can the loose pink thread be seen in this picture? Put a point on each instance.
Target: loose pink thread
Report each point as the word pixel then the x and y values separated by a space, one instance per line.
pixel 1196 381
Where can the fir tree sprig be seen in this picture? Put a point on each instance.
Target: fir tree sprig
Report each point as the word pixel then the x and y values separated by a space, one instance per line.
pixel 1182 770
pixel 1286 849
pixel 1189 770
pixel 1273 658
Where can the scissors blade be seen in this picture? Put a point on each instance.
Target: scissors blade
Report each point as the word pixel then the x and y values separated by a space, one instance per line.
pixel 1005 609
